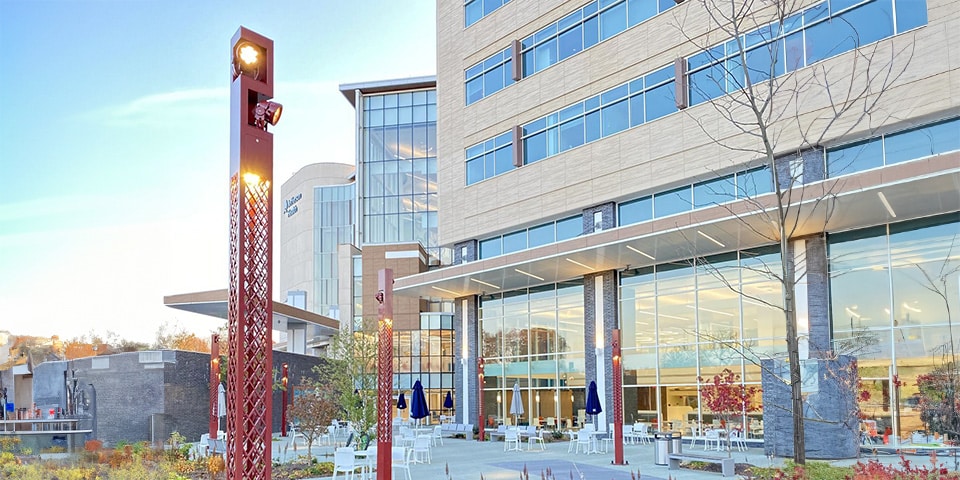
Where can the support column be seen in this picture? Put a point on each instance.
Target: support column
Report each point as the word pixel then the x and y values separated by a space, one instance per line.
pixel 818 297
pixel 466 346
pixel 600 318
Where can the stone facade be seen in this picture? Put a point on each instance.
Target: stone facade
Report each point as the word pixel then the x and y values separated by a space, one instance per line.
pixel 466 306
pixel 831 428
pixel 147 395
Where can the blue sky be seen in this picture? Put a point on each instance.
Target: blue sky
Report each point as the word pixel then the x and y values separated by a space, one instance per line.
pixel 114 142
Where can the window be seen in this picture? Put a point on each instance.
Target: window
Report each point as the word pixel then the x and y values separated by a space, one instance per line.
pixel 894 148
pixel 489 158
pixel 819 32
pixel 474 10
pixel 489 76
pixel 608 113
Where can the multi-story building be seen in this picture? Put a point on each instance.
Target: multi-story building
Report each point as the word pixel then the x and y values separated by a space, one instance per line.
pixel 317 217
pixel 592 180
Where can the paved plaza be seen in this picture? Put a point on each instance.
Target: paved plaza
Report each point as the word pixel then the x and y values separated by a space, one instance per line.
pixel 469 460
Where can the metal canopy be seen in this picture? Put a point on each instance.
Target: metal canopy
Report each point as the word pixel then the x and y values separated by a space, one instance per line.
pixel 213 303
pixel 914 190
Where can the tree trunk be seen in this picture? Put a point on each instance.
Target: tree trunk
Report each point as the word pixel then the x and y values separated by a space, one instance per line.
pixel 793 352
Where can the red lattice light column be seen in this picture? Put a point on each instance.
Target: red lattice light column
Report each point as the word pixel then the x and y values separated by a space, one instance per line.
pixel 384 372
pixel 617 400
pixel 214 385
pixel 249 323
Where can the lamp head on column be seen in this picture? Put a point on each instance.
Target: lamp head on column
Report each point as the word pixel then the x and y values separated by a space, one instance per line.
pixel 266 112
pixel 249 59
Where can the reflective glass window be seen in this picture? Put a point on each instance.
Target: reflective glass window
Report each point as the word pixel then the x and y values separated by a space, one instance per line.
pixel 514 242
pixel 541 235
pixel 635 211
pixel 616 117
pixel 714 192
pixel 672 202
pixel 490 248
pixel 754 182
pixel 910 14
pixel 569 228
pixel 922 142
pixel 855 158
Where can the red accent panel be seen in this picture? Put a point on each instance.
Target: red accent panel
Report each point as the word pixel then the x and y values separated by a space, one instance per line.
pixel 617 400
pixel 214 385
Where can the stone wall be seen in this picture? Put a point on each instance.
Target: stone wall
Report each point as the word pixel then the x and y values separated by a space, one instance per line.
pixel 831 429
pixel 147 395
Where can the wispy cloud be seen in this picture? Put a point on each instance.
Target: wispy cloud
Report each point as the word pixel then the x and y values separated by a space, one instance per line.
pixel 191 105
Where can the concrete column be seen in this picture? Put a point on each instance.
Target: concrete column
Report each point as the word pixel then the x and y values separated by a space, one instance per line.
pixel 600 318
pixel 466 348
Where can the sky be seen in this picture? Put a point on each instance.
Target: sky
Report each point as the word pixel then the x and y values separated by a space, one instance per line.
pixel 114 143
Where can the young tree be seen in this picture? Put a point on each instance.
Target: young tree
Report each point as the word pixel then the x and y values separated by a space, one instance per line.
pixel 775 105
pixel 351 370
pixel 729 399
pixel 313 411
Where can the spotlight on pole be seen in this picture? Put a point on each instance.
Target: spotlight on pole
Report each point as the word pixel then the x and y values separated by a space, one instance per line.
pixel 248 59
pixel 267 112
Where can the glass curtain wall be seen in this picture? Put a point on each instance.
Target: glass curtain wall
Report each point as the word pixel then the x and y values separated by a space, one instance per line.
pixel 333 212
pixel 894 294
pixel 681 321
pixel 533 338
pixel 425 355
pixel 400 170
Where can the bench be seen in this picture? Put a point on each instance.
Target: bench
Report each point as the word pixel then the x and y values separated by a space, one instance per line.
pixel 453 429
pixel 726 463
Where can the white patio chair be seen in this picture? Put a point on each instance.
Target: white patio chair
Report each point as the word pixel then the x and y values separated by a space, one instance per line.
pixel 536 438
pixel 712 439
pixel 573 440
pixel 437 435
pixel 400 460
pixel 421 449
pixel 736 439
pixel 511 440
pixel 344 462
pixel 584 440
pixel 551 422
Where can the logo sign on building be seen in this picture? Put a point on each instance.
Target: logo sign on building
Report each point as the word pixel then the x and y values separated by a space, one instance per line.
pixel 290 205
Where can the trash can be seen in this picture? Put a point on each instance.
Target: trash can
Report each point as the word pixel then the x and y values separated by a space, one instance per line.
pixel 676 443
pixel 661 447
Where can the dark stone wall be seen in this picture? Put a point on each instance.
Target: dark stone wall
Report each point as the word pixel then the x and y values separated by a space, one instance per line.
pixel 165 390
pixel 473 352
pixel 610 312
pixel 830 423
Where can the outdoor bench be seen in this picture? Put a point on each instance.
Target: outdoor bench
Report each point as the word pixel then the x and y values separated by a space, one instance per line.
pixel 726 463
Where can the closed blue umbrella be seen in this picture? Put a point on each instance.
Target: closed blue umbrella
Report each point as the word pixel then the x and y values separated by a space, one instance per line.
pixel 401 404
pixel 593 399
pixel 418 402
pixel 448 402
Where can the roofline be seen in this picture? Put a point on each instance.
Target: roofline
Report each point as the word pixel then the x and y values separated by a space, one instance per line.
pixel 381 86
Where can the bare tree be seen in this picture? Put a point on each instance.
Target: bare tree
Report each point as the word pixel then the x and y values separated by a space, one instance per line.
pixel 351 371
pixel 775 104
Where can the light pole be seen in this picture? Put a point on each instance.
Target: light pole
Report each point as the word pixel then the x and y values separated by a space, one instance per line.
pixel 283 401
pixel 214 386
pixel 617 400
pixel 249 317
pixel 385 373
pixel 480 397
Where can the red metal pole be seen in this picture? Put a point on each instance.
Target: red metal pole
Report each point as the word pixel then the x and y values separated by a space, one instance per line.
pixel 283 408
pixel 385 374
pixel 250 305
pixel 214 385
pixel 617 401
pixel 480 398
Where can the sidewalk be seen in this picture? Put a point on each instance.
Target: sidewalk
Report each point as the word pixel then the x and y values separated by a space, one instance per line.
pixel 469 459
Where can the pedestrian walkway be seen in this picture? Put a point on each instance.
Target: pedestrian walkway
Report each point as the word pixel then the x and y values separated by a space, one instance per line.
pixel 469 459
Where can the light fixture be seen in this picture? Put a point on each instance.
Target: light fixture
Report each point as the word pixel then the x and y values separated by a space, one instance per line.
pixel 444 290
pixel 528 274
pixel 481 282
pixel 266 112
pixel 708 237
pixel 852 313
pixel 911 308
pixel 718 312
pixel 641 253
pixel 886 204
pixel 498 398
pixel 251 178
pixel 577 263
pixel 247 59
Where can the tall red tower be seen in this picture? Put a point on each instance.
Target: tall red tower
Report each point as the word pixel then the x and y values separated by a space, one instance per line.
pixel 250 307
